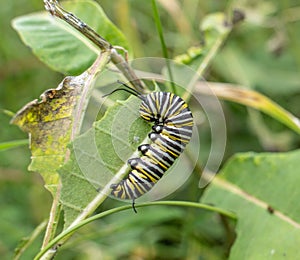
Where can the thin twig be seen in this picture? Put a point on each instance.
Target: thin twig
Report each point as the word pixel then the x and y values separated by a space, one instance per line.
pixel 204 64
pixel 53 218
pixel 37 231
pixel 126 70
pixel 54 8
pixel 163 44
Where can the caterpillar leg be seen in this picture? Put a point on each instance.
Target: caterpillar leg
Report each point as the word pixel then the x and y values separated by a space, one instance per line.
pixel 133 207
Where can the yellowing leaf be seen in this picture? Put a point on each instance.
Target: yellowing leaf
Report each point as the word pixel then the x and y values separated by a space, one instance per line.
pixel 52 121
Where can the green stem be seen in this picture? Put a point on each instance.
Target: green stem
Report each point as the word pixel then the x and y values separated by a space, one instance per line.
pixel 53 7
pixel 7 112
pixel 37 231
pixel 88 77
pixel 82 223
pixel 163 43
pixel 204 64
pixel 13 144
pixel 53 218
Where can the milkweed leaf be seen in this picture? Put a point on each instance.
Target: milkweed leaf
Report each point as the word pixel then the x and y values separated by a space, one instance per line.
pixel 263 190
pixel 97 155
pixel 59 45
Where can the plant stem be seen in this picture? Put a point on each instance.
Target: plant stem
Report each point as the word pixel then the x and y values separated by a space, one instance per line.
pixel 32 237
pixel 87 78
pixel 127 71
pixel 53 7
pixel 88 210
pixel 163 43
pixel 53 218
pixel 70 230
pixel 204 64
pixel 13 144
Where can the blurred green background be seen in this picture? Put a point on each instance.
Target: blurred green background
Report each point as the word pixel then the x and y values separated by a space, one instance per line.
pixel 262 53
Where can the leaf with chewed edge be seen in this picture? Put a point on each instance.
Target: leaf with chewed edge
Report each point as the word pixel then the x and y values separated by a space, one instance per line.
pixel 49 124
pixel 263 190
pixel 51 121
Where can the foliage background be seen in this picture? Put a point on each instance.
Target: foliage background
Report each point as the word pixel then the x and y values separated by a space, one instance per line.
pixel 262 54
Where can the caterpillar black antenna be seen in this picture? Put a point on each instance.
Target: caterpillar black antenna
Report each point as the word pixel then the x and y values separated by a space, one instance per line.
pixel 125 88
pixel 130 88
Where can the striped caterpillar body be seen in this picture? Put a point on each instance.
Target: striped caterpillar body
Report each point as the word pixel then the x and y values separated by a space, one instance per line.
pixel 171 132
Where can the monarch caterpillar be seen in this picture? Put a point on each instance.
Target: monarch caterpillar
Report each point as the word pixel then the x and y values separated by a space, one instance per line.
pixel 171 132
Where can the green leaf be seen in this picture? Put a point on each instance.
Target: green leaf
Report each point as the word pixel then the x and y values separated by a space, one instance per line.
pixel 97 155
pixel 263 190
pixel 59 45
